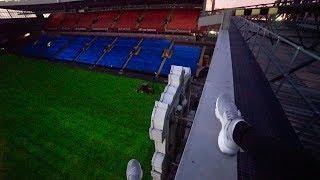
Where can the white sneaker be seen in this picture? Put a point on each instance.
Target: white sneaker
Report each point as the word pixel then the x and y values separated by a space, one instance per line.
pixel 134 170
pixel 228 114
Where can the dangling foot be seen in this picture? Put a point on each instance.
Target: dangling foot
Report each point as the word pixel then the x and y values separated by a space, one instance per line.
pixel 228 114
pixel 134 170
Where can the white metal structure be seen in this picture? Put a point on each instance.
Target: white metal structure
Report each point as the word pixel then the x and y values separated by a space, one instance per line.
pixel 177 81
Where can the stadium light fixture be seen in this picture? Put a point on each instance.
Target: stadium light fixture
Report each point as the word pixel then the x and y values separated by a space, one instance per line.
pixel 49 44
pixel 213 32
pixel 26 35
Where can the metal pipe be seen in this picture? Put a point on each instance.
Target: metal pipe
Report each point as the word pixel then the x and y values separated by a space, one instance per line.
pixel 302 65
pixel 291 82
pixel 282 39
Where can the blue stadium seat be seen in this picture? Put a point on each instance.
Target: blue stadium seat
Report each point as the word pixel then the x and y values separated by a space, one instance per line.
pixel 38 47
pixel 92 55
pixel 74 48
pixel 56 45
pixel 149 57
pixel 187 56
pixel 119 53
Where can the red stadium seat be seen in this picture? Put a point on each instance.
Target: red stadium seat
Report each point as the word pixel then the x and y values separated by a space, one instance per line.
pixel 70 21
pixel 128 20
pixel 154 20
pixel 183 20
pixel 105 20
pixel 86 21
pixel 54 21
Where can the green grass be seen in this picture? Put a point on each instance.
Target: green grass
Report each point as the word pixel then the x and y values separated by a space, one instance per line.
pixel 59 122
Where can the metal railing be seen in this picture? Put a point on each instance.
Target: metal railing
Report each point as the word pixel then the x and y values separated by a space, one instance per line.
pixel 9 14
pixel 281 59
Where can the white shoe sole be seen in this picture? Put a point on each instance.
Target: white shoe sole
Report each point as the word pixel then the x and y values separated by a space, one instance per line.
pixel 231 148
pixel 225 148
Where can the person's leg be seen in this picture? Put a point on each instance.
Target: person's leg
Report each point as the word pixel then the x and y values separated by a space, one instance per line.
pixel 264 151
pixel 134 170
pixel 249 140
pixel 274 158
pixel 229 117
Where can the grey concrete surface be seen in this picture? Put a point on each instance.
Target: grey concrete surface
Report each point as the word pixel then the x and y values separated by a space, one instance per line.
pixel 202 158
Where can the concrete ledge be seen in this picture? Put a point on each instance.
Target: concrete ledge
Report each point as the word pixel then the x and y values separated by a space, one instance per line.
pixel 202 158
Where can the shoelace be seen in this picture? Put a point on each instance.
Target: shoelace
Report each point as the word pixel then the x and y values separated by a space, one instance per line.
pixel 230 116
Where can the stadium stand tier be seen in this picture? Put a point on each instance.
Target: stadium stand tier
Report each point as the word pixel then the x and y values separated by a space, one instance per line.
pixel 54 21
pixel 56 45
pixel 86 21
pixel 183 20
pixel 72 51
pixel 141 55
pixel 70 21
pixel 149 57
pixel 38 47
pixel 153 20
pixel 128 20
pixel 50 46
pixel 119 52
pixel 183 55
pixel 95 51
pixel 105 20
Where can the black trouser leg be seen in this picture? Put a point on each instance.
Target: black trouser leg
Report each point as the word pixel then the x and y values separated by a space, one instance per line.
pixel 275 159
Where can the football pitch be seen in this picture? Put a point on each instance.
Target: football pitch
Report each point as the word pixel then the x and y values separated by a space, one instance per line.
pixel 63 122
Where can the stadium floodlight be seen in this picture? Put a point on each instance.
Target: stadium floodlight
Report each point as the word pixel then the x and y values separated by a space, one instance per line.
pixel 213 32
pixel 26 35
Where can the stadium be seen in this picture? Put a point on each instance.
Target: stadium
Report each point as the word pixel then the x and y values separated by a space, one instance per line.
pixel 87 86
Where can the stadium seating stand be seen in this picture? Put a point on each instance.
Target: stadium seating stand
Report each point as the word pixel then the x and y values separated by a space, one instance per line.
pixel 149 57
pixel 183 20
pixel 56 45
pixel 73 49
pixel 54 21
pixel 154 20
pixel 187 56
pixel 114 52
pixel 128 21
pixel 119 53
pixel 86 21
pixel 94 52
pixel 105 20
pixel 37 48
pixel 70 21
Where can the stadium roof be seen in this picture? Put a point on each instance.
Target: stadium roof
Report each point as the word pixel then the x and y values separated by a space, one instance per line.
pixel 70 5
pixel 31 2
